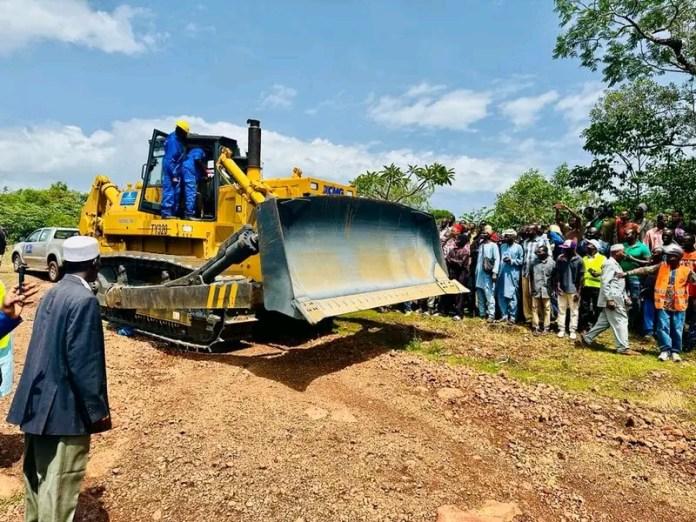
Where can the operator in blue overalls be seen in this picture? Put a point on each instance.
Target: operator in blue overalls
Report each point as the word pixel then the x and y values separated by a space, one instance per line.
pixel 174 150
pixel 193 169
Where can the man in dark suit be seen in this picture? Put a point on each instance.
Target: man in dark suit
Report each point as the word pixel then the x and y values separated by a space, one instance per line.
pixel 62 398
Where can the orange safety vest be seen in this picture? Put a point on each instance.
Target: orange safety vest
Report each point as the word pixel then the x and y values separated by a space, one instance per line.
pixel 681 278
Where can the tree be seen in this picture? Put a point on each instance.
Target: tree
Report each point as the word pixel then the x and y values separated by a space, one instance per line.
pixel 673 185
pixel 629 38
pixel 532 197
pixel 441 214
pixel 25 210
pixel 413 187
pixel 636 132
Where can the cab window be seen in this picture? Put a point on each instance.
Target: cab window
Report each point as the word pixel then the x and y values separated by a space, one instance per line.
pixel 64 234
pixel 34 236
pixel 44 235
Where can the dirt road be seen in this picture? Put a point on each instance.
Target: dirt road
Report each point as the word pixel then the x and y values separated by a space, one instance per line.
pixel 353 428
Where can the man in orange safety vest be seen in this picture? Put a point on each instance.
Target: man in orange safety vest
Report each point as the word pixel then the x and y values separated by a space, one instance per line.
pixel 671 300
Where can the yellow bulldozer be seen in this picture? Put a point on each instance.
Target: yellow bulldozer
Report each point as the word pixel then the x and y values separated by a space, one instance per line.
pixel 306 248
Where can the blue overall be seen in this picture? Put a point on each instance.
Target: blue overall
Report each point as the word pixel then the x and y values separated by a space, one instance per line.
pixel 171 175
pixel 190 170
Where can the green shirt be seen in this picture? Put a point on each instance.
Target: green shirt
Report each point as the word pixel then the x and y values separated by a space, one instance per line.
pixel 639 250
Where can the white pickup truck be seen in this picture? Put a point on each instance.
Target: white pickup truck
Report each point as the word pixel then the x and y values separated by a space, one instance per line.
pixel 43 250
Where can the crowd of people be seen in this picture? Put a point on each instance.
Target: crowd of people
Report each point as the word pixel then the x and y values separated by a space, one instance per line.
pixel 585 273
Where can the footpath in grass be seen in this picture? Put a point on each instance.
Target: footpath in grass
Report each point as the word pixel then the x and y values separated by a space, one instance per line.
pixel 663 386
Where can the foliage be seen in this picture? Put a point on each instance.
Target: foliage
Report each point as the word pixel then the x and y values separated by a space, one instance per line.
pixel 413 187
pixel 441 214
pixel 673 186
pixel 629 38
pixel 25 210
pixel 477 216
pixel 532 197
pixel 638 135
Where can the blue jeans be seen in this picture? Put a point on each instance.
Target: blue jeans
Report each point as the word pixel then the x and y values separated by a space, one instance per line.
pixel 7 369
pixel 669 330
pixel 648 317
pixel 485 298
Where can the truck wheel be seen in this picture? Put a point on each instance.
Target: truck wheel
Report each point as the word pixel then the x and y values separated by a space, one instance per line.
pixel 16 262
pixel 54 272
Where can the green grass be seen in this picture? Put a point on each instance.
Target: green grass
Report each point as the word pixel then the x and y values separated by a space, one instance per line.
pixel 666 387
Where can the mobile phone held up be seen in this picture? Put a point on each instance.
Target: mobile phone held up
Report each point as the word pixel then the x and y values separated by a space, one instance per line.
pixel 22 270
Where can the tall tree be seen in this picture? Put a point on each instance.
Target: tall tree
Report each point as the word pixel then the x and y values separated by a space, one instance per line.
pixel 532 198
pixel 635 132
pixel 630 39
pixel 412 187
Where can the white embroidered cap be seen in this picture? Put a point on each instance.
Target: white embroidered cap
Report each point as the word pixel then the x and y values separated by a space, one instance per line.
pixel 80 248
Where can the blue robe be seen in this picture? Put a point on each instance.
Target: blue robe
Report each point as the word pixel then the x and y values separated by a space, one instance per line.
pixel 509 279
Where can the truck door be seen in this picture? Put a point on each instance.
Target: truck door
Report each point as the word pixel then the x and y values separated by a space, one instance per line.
pixel 29 247
pixel 41 249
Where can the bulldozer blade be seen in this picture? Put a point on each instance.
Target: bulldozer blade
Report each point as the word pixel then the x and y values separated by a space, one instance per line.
pixel 323 256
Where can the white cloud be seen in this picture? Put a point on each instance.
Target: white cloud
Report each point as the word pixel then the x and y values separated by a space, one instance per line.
pixel 69 154
pixel 71 21
pixel 576 107
pixel 280 96
pixel 423 89
pixel 525 110
pixel 426 105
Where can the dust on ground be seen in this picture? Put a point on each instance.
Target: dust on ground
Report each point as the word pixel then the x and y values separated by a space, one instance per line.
pixel 352 427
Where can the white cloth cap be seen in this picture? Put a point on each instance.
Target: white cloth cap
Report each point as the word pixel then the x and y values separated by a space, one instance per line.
pixel 618 247
pixel 80 248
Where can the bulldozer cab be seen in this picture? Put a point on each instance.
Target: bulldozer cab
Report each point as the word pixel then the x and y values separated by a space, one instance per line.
pixel 207 187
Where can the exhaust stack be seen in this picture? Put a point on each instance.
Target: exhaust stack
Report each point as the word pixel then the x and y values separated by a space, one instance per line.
pixel 254 150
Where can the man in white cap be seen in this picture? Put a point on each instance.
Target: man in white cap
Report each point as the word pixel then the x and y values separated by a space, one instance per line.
pixel 614 304
pixel 62 397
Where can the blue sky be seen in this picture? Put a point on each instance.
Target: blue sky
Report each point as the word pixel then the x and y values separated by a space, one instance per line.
pixel 339 87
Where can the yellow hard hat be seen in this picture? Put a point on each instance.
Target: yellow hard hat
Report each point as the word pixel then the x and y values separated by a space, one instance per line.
pixel 183 125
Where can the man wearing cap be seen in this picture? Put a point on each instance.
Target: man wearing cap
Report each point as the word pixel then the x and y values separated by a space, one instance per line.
pixel 671 300
pixel 512 257
pixel 62 398
pixel 174 152
pixel 536 239
pixel 568 274
pixel 487 268
pixel 614 302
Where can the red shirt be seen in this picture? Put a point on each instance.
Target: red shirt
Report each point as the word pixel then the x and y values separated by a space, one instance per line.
pixel 689 260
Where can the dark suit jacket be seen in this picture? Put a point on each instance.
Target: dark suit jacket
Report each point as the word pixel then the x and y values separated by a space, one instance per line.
pixel 62 390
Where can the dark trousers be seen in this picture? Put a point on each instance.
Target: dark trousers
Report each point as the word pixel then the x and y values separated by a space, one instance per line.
pixel 635 317
pixel 588 308
pixel 690 340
